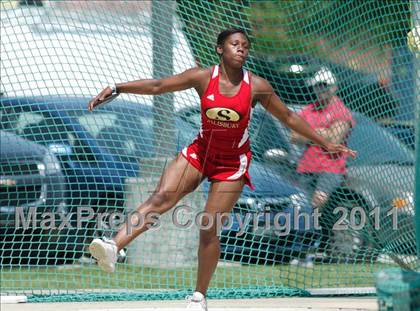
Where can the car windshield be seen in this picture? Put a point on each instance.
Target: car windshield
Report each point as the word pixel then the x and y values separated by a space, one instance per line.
pixel 126 131
pixel 39 126
pixel 128 136
pixel 376 145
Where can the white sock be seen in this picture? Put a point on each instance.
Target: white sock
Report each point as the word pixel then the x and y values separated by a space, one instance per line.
pixel 197 296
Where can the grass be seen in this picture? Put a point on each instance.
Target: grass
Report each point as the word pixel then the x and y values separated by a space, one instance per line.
pixel 227 276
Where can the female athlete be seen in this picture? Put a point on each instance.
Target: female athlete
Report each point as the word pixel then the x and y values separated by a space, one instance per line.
pixel 220 152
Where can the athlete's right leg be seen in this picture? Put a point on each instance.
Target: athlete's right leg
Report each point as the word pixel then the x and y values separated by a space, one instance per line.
pixel 178 179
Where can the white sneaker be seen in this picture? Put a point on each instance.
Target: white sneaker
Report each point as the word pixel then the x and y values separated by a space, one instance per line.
pixel 105 252
pixel 197 302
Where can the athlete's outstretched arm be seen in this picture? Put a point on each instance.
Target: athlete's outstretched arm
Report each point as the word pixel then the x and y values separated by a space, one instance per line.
pixel 191 78
pixel 264 93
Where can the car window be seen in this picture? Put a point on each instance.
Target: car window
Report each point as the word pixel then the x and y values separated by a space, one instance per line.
pixel 97 122
pixel 44 129
pixel 25 120
pixel 126 136
pixel 375 145
pixel 35 126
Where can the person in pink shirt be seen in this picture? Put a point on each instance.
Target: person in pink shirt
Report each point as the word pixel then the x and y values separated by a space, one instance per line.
pixel 321 172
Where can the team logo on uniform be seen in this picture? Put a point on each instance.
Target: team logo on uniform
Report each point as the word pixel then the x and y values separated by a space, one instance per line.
pixel 222 114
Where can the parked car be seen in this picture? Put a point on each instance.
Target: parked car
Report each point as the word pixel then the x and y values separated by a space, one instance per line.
pixel 405 131
pixel 381 175
pixel 93 177
pixel 31 180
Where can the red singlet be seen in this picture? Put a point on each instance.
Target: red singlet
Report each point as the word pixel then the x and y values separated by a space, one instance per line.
pixel 221 150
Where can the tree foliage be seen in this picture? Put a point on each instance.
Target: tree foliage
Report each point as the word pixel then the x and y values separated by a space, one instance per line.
pixel 289 27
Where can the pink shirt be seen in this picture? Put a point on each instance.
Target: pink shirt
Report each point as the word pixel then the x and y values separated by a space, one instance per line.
pixel 315 159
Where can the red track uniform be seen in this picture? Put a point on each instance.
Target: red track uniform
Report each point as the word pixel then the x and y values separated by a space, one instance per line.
pixel 221 150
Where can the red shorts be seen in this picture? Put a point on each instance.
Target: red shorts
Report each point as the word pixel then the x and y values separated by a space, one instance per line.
pixel 219 167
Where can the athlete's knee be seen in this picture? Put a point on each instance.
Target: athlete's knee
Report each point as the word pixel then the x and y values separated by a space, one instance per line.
pixel 208 236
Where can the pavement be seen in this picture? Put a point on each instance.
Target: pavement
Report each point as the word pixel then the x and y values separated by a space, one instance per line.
pixel 278 304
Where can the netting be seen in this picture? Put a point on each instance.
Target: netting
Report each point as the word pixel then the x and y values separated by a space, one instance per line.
pixel 68 175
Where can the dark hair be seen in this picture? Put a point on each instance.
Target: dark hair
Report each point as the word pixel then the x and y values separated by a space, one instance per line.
pixel 223 35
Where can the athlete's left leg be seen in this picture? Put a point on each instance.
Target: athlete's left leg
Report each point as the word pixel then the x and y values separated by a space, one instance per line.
pixel 221 199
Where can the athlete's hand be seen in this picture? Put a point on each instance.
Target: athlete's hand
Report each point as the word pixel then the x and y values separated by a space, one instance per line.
pixel 338 148
pixel 98 99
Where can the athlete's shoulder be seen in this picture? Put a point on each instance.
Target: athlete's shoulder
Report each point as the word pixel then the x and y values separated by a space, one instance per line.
pixel 199 71
pixel 199 77
pixel 202 73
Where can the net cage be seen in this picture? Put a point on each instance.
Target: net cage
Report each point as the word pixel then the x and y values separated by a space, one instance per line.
pixel 68 175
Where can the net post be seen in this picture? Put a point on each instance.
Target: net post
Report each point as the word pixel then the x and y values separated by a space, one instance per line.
pixel 416 23
pixel 163 43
